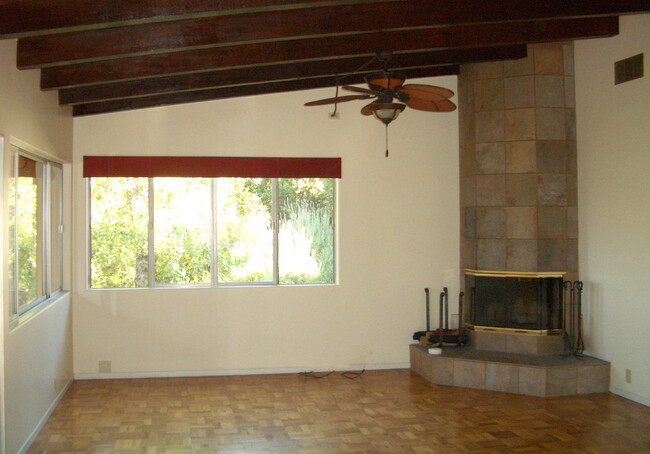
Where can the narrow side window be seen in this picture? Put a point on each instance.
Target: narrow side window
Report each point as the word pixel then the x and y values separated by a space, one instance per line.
pixel 34 222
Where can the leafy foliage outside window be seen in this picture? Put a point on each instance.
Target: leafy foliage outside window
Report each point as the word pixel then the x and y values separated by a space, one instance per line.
pixel 24 226
pixel 182 230
pixel 32 278
pixel 182 227
pixel 119 231
pixel 244 232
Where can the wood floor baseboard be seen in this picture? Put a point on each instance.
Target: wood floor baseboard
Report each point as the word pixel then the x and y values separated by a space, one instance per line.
pixel 631 396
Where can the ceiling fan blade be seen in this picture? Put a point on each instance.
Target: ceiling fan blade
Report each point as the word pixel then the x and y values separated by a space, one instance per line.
pixel 426 92
pixel 334 100
pixel 442 105
pixel 361 90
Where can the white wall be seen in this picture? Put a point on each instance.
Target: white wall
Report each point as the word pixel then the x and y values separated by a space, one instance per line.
pixel 613 126
pixel 398 233
pixel 36 357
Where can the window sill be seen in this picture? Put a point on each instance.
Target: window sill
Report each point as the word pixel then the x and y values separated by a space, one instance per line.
pixel 18 320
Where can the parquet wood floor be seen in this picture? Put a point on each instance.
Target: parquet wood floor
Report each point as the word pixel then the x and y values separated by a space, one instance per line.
pixel 382 411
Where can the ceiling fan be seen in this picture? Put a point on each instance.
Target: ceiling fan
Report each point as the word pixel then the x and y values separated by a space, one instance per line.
pixel 391 95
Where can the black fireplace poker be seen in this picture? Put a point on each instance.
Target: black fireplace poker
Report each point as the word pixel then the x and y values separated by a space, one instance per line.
pixel 444 302
pixel 419 335
pixel 426 293
pixel 580 343
pixel 573 317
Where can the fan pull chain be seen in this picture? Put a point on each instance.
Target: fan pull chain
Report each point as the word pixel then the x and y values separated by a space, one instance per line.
pixel 386 140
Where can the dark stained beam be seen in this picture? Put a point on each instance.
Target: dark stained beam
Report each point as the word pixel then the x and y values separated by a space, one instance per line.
pixel 20 18
pixel 242 90
pixel 279 72
pixel 467 36
pixel 69 48
pixel 66 48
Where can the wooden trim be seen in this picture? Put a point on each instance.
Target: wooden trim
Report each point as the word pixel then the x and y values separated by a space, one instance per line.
pixel 210 167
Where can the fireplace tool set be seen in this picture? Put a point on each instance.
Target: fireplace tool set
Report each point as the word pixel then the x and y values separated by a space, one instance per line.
pixel 443 335
pixel 573 336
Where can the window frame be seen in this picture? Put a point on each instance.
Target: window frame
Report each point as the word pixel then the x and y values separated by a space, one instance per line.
pixel 59 228
pixel 214 271
pixel 16 150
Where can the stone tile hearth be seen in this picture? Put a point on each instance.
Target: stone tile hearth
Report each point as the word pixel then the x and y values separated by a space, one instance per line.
pixel 533 375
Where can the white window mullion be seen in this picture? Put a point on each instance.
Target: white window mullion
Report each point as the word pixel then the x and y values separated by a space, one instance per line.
pixel 89 238
pixel 47 221
pixel 15 232
pixel 335 227
pixel 276 227
pixel 151 259
pixel 57 229
pixel 214 247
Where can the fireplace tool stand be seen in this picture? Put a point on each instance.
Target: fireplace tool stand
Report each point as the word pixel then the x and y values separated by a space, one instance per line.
pixel 443 335
pixel 573 336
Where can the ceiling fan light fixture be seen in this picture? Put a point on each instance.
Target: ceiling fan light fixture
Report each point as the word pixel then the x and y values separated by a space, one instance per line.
pixel 386 112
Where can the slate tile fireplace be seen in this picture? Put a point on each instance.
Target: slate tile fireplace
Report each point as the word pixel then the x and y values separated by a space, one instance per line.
pixel 518 163
pixel 518 200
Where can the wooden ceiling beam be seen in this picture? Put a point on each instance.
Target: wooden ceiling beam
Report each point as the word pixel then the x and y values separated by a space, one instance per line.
pixel 22 18
pixel 467 36
pixel 37 17
pixel 279 72
pixel 237 91
pixel 66 48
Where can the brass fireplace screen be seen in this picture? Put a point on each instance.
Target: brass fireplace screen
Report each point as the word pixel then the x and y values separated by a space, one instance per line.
pixel 512 301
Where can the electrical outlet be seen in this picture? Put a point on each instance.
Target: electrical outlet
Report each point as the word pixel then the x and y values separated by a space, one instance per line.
pixel 628 376
pixel 104 367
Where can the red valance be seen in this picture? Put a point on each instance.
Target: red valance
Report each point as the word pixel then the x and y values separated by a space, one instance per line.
pixel 210 167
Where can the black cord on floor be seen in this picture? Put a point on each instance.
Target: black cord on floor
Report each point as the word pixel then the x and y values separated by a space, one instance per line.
pixel 350 375
pixel 315 375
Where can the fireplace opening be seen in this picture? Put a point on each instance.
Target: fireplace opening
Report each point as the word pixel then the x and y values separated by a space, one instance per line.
pixel 514 301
